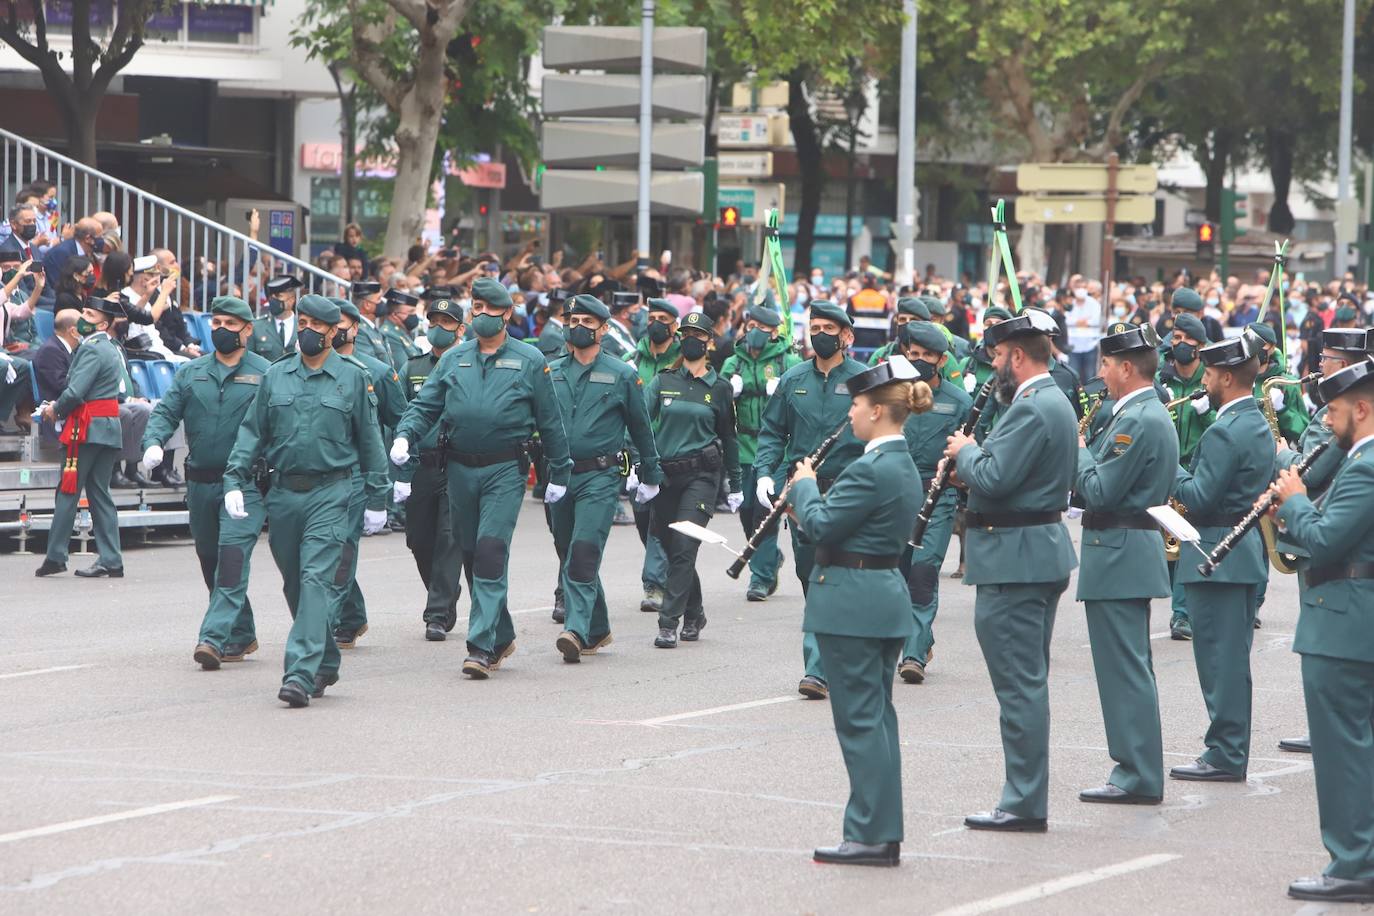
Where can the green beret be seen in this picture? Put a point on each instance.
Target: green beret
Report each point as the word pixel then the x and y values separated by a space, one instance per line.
pixel 319 308
pixel 1192 327
pixel 910 305
pixel 824 308
pixel 663 305
pixel 763 315
pixel 491 292
pixel 232 306
pixel 1346 313
pixel 934 306
pixel 347 308
pixel 924 334
pixel 584 304
pixel 996 311
pixel 1265 333
pixel 1187 299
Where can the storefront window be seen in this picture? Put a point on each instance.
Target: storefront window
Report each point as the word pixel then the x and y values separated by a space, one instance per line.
pixel 371 209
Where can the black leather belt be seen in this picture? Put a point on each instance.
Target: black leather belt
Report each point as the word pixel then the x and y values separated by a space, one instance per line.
pixel 432 459
pixel 708 459
pixel 1215 520
pixel 599 463
pixel 204 475
pixel 1010 519
pixel 304 483
pixel 485 459
pixel 1320 575
pixel 826 556
pixel 1100 521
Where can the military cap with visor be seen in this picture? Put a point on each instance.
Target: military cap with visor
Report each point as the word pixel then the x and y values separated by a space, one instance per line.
pixel 1030 321
pixel 1355 341
pixel 896 368
pixel 1227 354
pixel 1123 337
pixel 1356 376
pixel 283 284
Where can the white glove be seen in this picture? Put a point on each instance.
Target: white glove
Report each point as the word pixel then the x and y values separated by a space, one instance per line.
pixel 737 385
pixel 632 480
pixel 1075 512
pixel 554 492
pixel 970 383
pixel 1276 398
pixel 771 386
pixel 233 504
pixel 374 520
pixel 734 500
pixel 765 492
pixel 152 456
pixel 10 374
pixel 1307 401
pixel 400 452
pixel 645 492
pixel 400 491
pixel 1202 406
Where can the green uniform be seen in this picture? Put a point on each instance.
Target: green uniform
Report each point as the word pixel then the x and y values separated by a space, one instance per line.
pixel 1319 476
pixel 551 341
pixel 268 341
pixel 1292 417
pixel 694 428
pixel 1233 465
pixel 807 407
pixel 1189 425
pixel 926 434
pixel 212 399
pixel 1127 469
pixel 370 342
pixel 316 428
pixel 400 346
pixel 488 405
pixel 758 374
pixel 654 572
pixel 602 403
pixel 953 369
pixel 1020 559
pixel 859 618
pixel 1336 641
pixel 96 373
pixel 979 369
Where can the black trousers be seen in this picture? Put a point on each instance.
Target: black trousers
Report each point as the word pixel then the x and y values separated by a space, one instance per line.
pixel 689 498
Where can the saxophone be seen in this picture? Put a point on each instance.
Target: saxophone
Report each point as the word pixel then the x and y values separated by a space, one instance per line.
pixel 1284 563
pixel 1089 414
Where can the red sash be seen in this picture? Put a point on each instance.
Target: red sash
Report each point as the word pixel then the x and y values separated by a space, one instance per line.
pixel 75 431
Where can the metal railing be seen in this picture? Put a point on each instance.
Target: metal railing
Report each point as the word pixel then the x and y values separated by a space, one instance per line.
pixel 215 259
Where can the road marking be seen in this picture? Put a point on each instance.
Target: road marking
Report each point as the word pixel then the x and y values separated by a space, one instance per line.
pixel 111 818
pixel 1057 886
pixel 44 671
pixel 663 720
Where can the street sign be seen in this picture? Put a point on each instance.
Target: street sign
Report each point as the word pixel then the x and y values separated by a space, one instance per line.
pixel 1084 178
pixel 615 144
pixel 753 201
pixel 617 48
pixel 746 165
pixel 585 95
pixel 616 192
pixel 744 130
pixel 758 95
pixel 1084 208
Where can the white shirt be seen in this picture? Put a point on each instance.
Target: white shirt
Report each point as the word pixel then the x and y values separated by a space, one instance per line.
pixel 1148 389
pixel 1085 324
pixel 1028 382
pixel 874 443
pixel 1232 403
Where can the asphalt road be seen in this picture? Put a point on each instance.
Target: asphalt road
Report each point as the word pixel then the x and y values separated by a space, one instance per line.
pixel 641 780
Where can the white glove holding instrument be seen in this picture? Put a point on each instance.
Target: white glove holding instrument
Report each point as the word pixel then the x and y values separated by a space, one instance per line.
pixel 553 493
pixel 233 504
pixel 400 452
pixel 152 456
pixel 764 490
pixel 1276 398
pixel 374 520
pixel 400 491
pixel 1202 406
pixel 632 480
pixel 645 492
pixel 737 385
pixel 771 386
pixel 734 500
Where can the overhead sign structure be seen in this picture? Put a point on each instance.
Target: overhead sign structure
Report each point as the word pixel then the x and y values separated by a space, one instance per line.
pixel 589 144
pixel 745 165
pixel 1083 208
pixel 1084 178
pixel 752 130
pixel 616 191
pixel 753 201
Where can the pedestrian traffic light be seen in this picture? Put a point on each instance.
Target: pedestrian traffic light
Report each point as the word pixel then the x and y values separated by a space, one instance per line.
pixel 1206 238
pixel 729 217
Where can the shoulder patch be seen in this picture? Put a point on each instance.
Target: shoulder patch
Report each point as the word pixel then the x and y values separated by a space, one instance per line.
pixel 1122 439
pixel 942 408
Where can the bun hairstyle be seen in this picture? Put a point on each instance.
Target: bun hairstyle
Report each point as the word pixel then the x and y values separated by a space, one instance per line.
pixel 902 398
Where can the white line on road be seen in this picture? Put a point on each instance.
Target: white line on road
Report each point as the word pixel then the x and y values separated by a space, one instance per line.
pixel 43 671
pixel 111 818
pixel 663 720
pixel 1058 885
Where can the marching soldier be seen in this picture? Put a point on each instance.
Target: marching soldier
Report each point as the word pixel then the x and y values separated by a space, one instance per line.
pixel 1020 553
pixel 811 402
pixel 490 394
pixel 315 422
pixel 858 608
pixel 274 334
pixel 755 370
pixel 1127 469
pixel 1335 639
pixel 1232 466
pixel 1286 400
pixel 657 350
pixel 926 433
pixel 552 340
pixel 211 394
pixel 366 296
pixel 602 401
pixel 909 309
pixel 398 323
pixel 89 409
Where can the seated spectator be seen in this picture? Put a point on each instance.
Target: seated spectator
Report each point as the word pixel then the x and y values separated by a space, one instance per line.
pixel 23 286
pixel 86 242
pixel 74 283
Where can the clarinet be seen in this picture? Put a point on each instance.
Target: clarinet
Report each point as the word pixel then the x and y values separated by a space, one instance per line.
pixel 1232 538
pixel 770 521
pixel 941 481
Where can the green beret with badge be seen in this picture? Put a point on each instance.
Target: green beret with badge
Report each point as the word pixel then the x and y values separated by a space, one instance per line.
pixel 924 334
pixel 662 305
pixel 347 308
pixel 491 292
pixel 1187 299
pixel 763 315
pixel 232 306
pixel 996 311
pixel 319 308
pixel 1264 332
pixel 829 311
pixel 584 304
pixel 934 306
pixel 913 306
pixel 1191 327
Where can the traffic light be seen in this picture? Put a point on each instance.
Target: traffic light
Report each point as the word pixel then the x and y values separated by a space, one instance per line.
pixel 1206 239
pixel 729 217
pixel 1232 209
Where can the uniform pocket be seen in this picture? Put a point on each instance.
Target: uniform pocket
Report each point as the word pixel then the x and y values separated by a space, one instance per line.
pixel 1106 537
pixel 334 418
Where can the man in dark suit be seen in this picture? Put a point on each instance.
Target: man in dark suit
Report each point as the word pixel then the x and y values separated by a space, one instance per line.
pixel 23 233
pixel 54 357
pixel 86 240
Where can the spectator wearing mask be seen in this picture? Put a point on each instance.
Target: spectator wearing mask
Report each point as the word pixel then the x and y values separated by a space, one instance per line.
pixel 23 237
pixel 74 284
pixel 149 296
pixel 87 241
pixel 1085 322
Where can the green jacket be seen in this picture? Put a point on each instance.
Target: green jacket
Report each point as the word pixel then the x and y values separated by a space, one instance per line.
pixel 690 414
pixel 650 365
pixel 756 373
pixel 312 422
pixel 602 403
pixel 370 342
pixel 1293 418
pixel 417 371
pixel 1025 465
pixel 95 374
pixel 491 402
pixel 1188 423
pixel 1319 476
pixel 871 508
pixel 807 406
pixel 1337 618
pixel 977 371
pixel 386 385
pixel 1126 470
pixel 267 340
pixel 211 399
pixel 926 432
pixel 1069 383
pixel 552 341
pixel 953 369
pixel 399 345
pixel 1233 465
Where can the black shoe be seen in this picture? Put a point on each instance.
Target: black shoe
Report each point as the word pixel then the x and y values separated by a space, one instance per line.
pixel 137 480
pixel 813 688
pixel 235 651
pixel 1113 795
pixel 502 653
pixel 997 819
pixel 570 644
pixel 119 482
pixel 1180 628
pixel 49 568
pixel 560 609
pixel 911 671
pixel 98 570
pixel 1301 745
pixel 1202 771
pixel 451 619
pixel 666 639
pixel 691 628
pixel 1325 887
pixel 208 657
pixel 168 477
pixel 347 639
pixel 652 601
pixel 886 855
pixel 396 525
pixel 1258 623
pixel 293 695
pixel 479 665
pixel 321 682
pixel 435 632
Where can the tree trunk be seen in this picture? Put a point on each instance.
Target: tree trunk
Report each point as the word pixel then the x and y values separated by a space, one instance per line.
pixel 810 161
pixel 1280 148
pixel 1214 165
pixel 417 134
pixel 78 114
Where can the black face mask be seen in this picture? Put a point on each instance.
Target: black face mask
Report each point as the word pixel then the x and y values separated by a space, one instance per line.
pixel 225 340
pixel 1184 353
pixel 925 371
pixel 659 332
pixel 28 233
pixel 340 339
pixel 825 345
pixel 412 322
pixel 310 341
pixel 581 336
pixel 275 307
pixel 693 348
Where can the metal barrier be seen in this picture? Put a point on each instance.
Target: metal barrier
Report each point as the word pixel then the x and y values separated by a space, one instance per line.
pixel 148 222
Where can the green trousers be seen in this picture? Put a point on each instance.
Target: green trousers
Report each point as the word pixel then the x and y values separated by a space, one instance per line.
pixel 353 610
pixel 484 504
pixel 1014 624
pixel 763 565
pixel 1340 719
pixel 229 618
pixel 866 725
pixel 804 556
pixel 430 537
pixel 654 572
pixel 1223 618
pixel 1119 633
pixel 581 524
pixel 94 465
pixel 1180 596
pixel 689 498
pixel 922 571
pixel 308 533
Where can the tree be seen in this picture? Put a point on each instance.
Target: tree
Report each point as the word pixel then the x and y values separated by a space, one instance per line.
pixel 94 61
